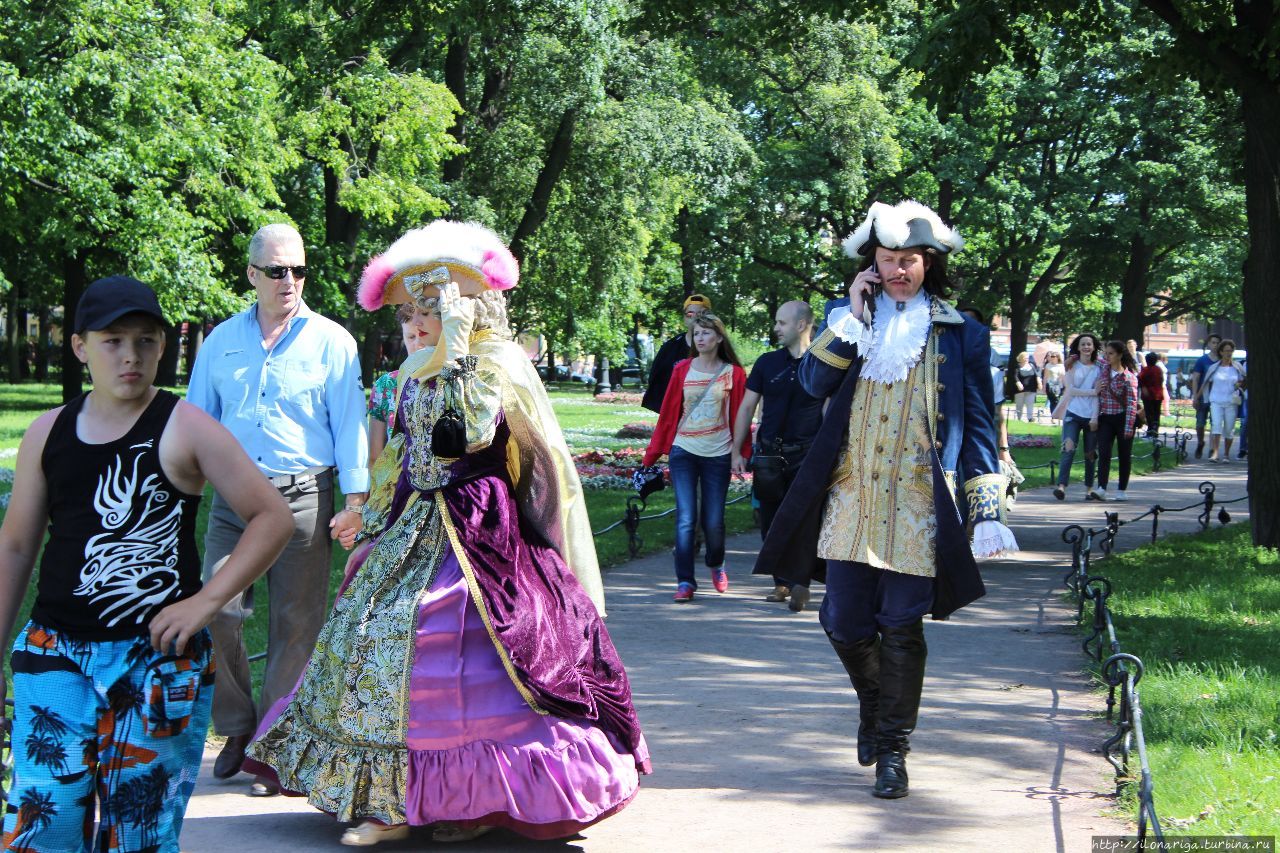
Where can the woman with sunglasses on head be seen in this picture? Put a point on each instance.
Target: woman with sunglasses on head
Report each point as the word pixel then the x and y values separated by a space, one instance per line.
pixel 1054 377
pixel 695 427
pixel 1117 416
pixel 1078 410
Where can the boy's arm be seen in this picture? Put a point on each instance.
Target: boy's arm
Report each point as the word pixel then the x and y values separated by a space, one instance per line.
pixel 24 527
pixel 208 450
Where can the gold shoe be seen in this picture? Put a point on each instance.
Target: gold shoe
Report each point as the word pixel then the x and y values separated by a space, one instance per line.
pixel 451 833
pixel 779 593
pixel 370 833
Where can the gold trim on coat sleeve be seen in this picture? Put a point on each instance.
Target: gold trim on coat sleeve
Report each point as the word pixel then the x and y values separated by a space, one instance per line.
pixel 984 494
pixel 819 351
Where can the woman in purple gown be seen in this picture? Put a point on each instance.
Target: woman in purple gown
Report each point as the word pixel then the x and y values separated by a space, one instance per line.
pixel 465 679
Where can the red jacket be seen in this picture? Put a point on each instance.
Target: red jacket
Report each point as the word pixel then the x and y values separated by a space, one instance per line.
pixel 673 410
pixel 1151 381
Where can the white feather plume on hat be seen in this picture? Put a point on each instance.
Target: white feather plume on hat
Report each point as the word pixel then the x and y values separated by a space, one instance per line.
pixel 905 225
pixel 475 256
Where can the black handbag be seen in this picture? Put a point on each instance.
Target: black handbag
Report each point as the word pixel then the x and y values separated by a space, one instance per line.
pixel 449 433
pixel 772 472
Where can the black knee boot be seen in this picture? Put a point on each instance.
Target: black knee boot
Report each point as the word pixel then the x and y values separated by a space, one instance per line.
pixel 862 661
pixel 902 656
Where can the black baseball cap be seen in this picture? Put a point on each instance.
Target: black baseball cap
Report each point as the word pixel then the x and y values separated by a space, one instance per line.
pixel 109 299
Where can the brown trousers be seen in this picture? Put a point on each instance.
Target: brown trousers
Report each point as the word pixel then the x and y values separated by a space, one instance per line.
pixel 298 590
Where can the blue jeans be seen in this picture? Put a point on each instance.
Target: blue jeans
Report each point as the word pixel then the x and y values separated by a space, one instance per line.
pixel 1072 427
pixel 688 471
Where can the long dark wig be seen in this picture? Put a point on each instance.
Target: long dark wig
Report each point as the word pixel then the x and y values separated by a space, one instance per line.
pixel 936 282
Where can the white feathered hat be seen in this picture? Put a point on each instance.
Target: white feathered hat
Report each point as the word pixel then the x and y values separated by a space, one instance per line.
pixel 473 256
pixel 908 224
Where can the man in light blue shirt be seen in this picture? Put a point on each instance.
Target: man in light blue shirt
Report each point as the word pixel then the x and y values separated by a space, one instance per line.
pixel 286 382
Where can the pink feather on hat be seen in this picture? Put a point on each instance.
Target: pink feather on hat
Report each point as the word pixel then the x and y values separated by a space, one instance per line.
pixel 373 282
pixel 500 268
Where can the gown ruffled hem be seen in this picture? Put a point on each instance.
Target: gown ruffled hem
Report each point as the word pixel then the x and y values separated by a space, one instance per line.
pixel 540 792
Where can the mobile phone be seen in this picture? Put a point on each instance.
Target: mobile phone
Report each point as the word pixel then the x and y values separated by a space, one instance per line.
pixel 869 302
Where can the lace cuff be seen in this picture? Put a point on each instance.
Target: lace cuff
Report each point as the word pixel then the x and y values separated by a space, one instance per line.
pixel 993 539
pixel 847 328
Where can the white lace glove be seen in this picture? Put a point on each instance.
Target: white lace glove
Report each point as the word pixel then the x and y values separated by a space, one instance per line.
pixel 993 539
pixel 457 316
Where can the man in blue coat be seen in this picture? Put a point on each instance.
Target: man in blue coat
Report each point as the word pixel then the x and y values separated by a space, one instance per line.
pixel 907 441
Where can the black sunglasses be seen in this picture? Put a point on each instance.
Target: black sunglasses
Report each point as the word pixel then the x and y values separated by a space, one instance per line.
pixel 299 272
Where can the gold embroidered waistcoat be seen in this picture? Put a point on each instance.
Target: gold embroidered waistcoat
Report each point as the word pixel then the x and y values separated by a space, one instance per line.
pixel 879 509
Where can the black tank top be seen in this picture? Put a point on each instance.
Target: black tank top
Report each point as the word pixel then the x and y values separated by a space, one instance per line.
pixel 122 538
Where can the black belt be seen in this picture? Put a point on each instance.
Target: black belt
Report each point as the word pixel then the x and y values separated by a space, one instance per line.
pixel 285 481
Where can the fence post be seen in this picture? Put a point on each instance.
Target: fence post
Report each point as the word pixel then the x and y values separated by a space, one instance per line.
pixel 631 521
pixel 1207 489
pixel 1155 455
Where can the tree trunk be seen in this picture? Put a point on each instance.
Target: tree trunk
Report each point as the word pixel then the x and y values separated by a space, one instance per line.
pixel 1262 301
pixel 1019 319
pixel 73 270
pixel 167 373
pixel 455 79
pixel 195 340
pixel 535 211
pixel 370 350
pixel 688 270
pixel 13 339
pixel 42 345
pixel 1133 291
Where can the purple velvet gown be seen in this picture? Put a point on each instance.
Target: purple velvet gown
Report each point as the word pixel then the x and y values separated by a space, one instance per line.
pixel 464 674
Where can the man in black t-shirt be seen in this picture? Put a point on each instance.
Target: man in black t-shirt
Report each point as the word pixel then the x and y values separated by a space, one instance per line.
pixel 788 422
pixel 675 350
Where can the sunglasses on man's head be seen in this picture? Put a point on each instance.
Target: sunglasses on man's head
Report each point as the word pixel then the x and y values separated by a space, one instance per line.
pixel 277 272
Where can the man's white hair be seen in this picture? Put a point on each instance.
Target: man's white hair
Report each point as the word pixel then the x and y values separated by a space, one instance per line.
pixel 276 231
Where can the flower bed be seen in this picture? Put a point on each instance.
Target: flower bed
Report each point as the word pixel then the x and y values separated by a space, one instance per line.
pixel 603 468
pixel 1032 441
pixel 621 398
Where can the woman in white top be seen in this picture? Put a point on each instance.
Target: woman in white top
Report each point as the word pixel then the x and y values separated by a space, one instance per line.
pixel 1054 377
pixel 1223 386
pixel 1079 412
pixel 695 427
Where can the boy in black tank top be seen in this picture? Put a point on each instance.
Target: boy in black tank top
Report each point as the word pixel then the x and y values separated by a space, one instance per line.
pixel 113 675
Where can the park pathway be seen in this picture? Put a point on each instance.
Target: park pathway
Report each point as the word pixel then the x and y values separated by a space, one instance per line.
pixel 750 718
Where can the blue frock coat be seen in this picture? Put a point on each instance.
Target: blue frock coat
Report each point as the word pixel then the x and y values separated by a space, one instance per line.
pixel 959 391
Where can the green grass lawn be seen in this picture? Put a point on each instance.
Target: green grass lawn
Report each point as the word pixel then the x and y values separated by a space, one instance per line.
pixel 1203 614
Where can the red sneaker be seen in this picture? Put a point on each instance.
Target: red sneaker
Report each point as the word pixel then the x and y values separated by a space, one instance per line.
pixel 720 579
pixel 684 593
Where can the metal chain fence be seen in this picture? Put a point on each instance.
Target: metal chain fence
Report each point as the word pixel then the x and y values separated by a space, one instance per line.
pixel 1122 671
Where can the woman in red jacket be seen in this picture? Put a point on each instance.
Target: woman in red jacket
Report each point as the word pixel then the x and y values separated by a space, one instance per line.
pixel 1151 388
pixel 695 427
